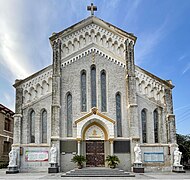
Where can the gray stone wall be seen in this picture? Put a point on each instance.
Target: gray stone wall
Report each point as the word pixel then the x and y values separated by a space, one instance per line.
pixel 38 106
pixel 27 166
pixel 70 82
pixel 157 166
pixel 150 106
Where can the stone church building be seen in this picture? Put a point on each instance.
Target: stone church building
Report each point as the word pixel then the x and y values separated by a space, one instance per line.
pixel 94 101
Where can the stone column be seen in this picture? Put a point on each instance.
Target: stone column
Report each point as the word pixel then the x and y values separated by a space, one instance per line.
pixel 79 147
pixel 162 126
pixel 131 90
pixel 111 147
pixel 17 136
pixel 172 128
pixel 56 92
pixel 17 129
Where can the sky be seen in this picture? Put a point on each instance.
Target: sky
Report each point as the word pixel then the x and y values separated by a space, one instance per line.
pixel 162 28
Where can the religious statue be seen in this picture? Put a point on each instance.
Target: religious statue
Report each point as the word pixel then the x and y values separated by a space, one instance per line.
pixel 177 157
pixel 137 152
pixel 12 157
pixel 53 154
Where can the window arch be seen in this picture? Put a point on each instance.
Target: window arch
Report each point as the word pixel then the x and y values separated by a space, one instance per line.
pixel 103 91
pixel 69 115
pixel 144 121
pixel 93 86
pixel 44 126
pixel 118 114
pixel 32 126
pixel 83 91
pixel 155 114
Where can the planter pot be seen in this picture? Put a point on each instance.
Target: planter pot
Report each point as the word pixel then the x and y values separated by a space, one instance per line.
pixel 112 167
pixel 80 166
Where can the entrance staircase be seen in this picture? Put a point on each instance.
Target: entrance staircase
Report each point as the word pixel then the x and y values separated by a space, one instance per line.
pixel 97 172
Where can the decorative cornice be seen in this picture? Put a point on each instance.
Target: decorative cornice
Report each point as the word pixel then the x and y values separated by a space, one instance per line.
pixel 93 50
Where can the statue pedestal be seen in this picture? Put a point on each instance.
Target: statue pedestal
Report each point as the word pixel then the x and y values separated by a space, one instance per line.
pixel 138 168
pixel 178 169
pixel 12 169
pixel 53 168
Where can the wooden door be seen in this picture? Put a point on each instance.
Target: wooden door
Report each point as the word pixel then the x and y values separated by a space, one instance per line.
pixel 95 153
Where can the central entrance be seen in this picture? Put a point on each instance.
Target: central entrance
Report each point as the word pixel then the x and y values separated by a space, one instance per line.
pixel 95 153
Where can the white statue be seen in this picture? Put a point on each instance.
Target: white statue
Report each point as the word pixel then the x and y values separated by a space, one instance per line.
pixel 12 157
pixel 53 154
pixel 137 152
pixel 177 157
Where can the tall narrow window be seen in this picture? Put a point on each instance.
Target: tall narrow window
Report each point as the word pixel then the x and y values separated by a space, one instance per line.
pixel 69 115
pixel 103 91
pixel 143 119
pixel 32 127
pixel 93 86
pixel 83 91
pixel 118 115
pixel 156 126
pixel 44 126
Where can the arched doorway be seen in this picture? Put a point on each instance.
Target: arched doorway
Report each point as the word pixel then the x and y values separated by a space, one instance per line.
pixel 95 135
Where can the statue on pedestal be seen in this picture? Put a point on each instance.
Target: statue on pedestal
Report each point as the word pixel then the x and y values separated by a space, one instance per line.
pixel 53 154
pixel 177 157
pixel 137 152
pixel 12 167
pixel 53 160
pixel 12 157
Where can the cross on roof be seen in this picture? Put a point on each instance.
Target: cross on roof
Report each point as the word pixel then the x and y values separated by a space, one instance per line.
pixel 92 8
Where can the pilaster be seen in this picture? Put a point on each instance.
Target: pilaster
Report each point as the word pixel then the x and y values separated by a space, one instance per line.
pixel 56 104
pixel 131 90
pixel 172 128
pixel 56 82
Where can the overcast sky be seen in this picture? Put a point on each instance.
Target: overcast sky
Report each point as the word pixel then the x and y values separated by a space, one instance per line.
pixel 162 28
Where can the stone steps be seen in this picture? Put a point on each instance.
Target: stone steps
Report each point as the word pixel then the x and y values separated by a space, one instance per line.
pixel 97 172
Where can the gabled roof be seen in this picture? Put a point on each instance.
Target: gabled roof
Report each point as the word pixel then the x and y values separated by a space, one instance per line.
pixel 87 21
pixel 94 110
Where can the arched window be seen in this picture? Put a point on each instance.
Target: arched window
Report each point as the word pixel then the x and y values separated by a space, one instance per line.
pixel 144 131
pixel 83 91
pixel 93 86
pixel 44 126
pixel 69 115
pixel 118 114
pixel 103 91
pixel 156 126
pixel 32 126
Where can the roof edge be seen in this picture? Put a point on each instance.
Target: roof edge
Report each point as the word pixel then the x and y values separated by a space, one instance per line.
pixel 86 22
pixel 20 81
pixel 166 82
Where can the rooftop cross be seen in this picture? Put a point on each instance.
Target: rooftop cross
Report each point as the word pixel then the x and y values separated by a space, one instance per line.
pixel 92 8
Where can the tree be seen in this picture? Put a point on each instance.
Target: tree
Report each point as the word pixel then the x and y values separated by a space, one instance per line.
pixel 184 146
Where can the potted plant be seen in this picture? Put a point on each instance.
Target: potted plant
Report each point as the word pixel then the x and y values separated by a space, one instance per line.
pixel 113 161
pixel 79 160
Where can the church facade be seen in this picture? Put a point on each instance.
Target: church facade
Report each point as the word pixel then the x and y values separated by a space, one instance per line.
pixel 94 101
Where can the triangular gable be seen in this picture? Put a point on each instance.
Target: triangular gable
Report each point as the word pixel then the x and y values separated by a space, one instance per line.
pixel 94 111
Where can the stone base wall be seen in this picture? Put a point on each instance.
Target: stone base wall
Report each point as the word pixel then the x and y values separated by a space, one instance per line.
pixel 156 157
pixel 27 165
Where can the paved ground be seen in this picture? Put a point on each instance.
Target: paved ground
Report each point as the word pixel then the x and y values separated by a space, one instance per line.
pixel 40 175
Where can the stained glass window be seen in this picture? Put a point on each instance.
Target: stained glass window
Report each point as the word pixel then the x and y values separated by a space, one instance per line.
pixel 93 86
pixel 118 115
pixel 83 91
pixel 32 127
pixel 44 126
pixel 69 115
pixel 103 91
pixel 156 126
pixel 144 119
